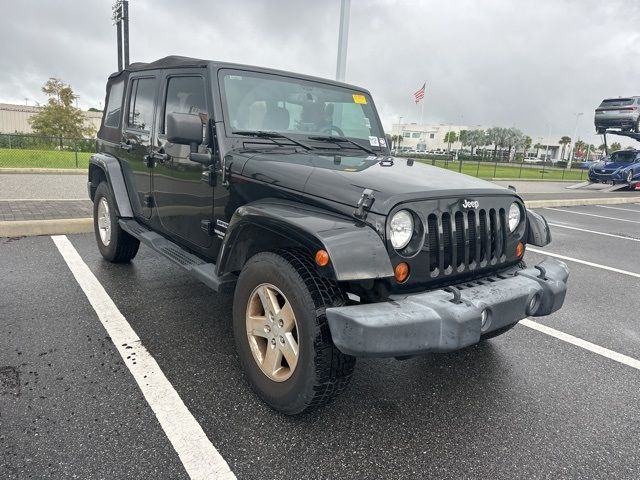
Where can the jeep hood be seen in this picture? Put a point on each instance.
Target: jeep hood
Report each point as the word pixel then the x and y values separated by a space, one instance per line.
pixel 343 178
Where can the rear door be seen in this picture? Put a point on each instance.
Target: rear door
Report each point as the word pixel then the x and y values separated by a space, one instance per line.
pixel 136 140
pixel 184 201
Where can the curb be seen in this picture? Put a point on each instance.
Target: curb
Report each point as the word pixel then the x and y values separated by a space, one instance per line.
pixel 56 171
pixel 576 202
pixel 30 228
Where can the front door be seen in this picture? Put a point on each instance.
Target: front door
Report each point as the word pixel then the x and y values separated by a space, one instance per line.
pixel 136 141
pixel 184 201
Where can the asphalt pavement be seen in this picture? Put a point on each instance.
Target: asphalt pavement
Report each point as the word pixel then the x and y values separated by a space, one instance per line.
pixel 523 405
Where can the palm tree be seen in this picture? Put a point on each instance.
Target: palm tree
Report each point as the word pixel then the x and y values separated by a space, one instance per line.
pixel 526 145
pixel 579 146
pixel 472 138
pixel 449 138
pixel 538 146
pixel 564 141
pixel 513 138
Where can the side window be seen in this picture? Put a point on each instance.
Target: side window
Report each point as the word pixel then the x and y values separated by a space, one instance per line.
pixel 184 95
pixel 114 105
pixel 140 114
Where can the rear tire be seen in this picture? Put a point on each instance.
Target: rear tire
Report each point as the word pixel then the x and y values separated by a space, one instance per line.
pixel 320 371
pixel 636 127
pixel 114 243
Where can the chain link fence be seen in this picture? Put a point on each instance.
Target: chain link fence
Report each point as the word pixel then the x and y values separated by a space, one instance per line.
pixel 485 165
pixel 37 151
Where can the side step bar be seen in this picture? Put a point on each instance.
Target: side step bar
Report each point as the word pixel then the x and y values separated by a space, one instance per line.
pixel 203 271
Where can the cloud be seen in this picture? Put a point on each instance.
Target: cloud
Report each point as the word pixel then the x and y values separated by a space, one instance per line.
pixel 529 64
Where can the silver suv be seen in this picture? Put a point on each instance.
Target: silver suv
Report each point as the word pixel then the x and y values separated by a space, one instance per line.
pixel 623 113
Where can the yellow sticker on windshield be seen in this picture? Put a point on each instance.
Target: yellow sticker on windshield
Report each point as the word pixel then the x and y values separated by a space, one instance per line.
pixel 361 99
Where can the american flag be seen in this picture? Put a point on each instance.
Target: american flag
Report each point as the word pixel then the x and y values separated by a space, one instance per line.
pixel 419 95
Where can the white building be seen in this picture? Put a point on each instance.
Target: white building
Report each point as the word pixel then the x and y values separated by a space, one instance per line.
pixel 15 118
pixel 428 137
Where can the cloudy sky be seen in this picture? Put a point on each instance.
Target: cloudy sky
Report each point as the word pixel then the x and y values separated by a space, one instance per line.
pixel 532 64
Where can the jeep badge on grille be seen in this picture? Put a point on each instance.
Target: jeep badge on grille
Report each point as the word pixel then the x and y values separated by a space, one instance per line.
pixel 470 204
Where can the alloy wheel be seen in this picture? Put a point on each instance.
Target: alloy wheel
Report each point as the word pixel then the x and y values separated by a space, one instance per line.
pixel 104 222
pixel 272 332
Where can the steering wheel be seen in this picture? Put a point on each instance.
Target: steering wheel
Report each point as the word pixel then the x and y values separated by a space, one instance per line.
pixel 332 128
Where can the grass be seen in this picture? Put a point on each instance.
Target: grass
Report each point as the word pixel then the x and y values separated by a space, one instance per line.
pixel 526 172
pixel 19 158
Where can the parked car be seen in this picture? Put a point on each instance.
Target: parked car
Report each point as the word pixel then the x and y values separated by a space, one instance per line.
pixel 585 165
pixel 623 113
pixel 280 189
pixel 622 166
pixel 532 160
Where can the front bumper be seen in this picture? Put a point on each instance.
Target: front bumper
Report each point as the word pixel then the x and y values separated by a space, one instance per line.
pixel 442 321
pixel 606 178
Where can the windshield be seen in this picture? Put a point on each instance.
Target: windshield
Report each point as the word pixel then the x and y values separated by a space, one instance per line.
pixel 624 157
pixel 272 103
pixel 616 102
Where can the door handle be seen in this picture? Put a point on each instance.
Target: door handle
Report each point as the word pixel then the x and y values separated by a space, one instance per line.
pixel 125 146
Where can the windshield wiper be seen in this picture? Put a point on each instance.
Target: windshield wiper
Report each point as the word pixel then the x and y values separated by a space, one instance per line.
pixel 270 136
pixel 331 138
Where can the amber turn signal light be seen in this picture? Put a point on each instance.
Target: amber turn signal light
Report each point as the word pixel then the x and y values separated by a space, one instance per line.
pixel 520 249
pixel 401 272
pixel 322 258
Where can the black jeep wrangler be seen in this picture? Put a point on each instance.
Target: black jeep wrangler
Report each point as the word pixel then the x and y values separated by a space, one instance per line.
pixel 280 188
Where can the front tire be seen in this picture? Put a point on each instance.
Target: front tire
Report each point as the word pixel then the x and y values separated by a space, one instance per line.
pixel 630 177
pixel 282 335
pixel 114 243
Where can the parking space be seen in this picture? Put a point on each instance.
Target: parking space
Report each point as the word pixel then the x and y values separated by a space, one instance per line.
pixel 522 405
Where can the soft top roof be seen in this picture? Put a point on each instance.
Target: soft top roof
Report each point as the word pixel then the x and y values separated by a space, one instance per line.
pixel 176 61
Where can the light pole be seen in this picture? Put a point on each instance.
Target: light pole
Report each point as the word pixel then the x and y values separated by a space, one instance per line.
pixel 343 36
pixel 575 133
pixel 120 15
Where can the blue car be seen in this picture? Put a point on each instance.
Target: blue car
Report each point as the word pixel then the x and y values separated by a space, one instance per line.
pixel 622 166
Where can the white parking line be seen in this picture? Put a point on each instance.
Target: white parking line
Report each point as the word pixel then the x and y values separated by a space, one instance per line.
pixel 591 215
pixel 198 455
pixel 619 208
pixel 592 347
pixel 595 232
pixel 584 262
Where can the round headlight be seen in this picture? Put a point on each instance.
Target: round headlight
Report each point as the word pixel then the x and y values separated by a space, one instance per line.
pixel 401 229
pixel 514 216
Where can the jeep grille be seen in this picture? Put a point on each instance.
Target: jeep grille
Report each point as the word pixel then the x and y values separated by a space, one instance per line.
pixel 465 240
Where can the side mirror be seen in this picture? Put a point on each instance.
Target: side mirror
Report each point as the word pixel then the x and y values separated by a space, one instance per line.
pixel 184 129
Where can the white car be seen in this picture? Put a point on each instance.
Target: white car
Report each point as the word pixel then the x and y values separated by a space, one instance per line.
pixel 532 160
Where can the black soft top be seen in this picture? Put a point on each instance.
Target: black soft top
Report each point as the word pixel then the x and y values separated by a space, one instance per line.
pixel 176 61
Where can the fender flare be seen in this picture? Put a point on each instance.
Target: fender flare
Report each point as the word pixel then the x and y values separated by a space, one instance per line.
pixel 355 250
pixel 115 179
pixel 538 232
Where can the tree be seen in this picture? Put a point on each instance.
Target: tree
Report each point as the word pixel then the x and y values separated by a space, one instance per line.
pixel 59 118
pixel 513 138
pixel 615 146
pixel 498 138
pixel 537 146
pixel 579 146
pixel 525 143
pixel 449 138
pixel 564 141
pixel 472 138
